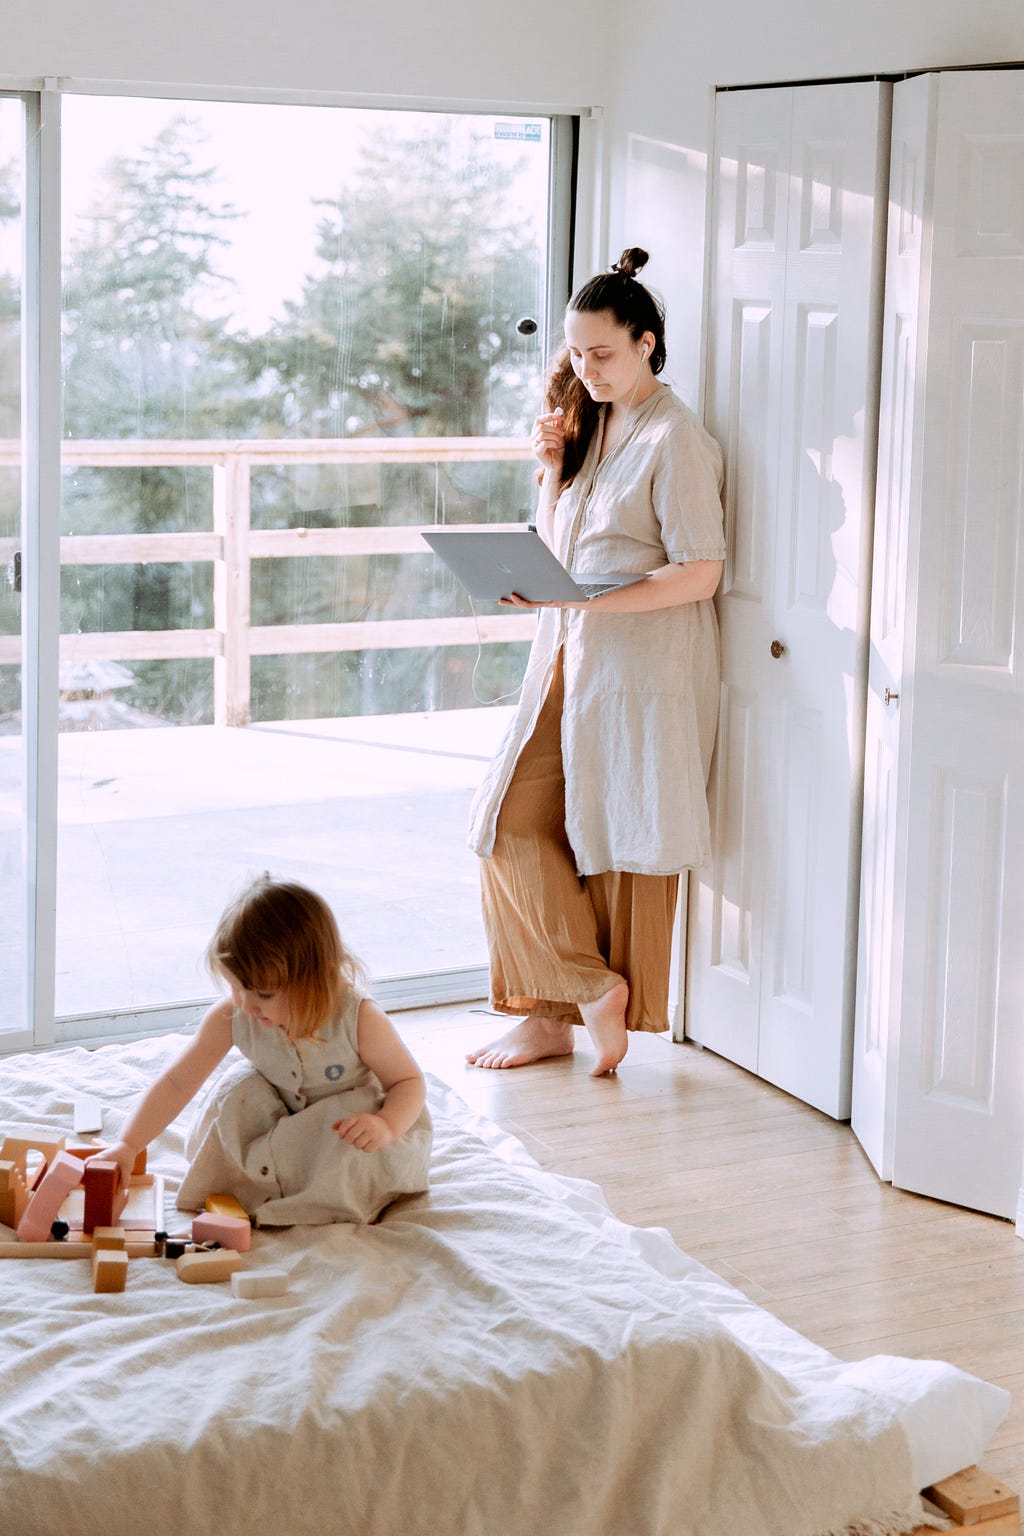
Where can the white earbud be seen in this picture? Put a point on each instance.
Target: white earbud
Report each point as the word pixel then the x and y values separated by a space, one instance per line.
pixel 644 353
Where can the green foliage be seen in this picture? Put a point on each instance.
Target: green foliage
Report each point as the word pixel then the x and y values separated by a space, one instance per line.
pixel 405 325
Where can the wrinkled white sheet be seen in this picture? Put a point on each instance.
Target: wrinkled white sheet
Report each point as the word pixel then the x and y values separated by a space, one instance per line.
pixel 501 1357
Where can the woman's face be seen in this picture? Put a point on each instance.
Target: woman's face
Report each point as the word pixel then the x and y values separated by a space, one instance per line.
pixel 605 358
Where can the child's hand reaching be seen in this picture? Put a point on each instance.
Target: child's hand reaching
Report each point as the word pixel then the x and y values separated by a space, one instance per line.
pixel 368 1133
pixel 121 1154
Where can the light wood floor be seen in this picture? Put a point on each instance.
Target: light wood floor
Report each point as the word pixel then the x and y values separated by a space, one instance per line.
pixel 772 1195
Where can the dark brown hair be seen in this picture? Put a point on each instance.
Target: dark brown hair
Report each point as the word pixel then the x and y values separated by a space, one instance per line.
pixel 631 305
pixel 279 936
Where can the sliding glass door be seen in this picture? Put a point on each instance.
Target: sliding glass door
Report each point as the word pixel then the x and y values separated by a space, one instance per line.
pixel 291 337
pixel 14 926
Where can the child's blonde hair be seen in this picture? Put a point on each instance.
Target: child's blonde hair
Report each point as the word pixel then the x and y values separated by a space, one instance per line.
pixel 279 936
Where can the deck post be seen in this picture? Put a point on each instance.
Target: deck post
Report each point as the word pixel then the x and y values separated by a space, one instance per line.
pixel 231 599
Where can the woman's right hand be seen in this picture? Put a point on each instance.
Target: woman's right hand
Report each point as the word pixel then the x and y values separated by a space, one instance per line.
pixel 547 440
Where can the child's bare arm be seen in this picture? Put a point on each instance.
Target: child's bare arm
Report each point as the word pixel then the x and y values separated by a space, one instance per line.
pixel 172 1090
pixel 405 1091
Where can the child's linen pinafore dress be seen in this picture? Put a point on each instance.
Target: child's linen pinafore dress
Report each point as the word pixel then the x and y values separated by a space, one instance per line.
pixel 263 1130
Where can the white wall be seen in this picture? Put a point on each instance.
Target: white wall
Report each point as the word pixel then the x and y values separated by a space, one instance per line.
pixel 529 52
pixel 652 67
pixel 669 56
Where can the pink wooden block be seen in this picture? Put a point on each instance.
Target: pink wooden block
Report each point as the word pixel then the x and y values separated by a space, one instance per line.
pixel 42 1210
pixel 229 1231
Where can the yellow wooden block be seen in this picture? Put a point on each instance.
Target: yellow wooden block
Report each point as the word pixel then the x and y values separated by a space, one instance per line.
pixel 109 1269
pixel 225 1205
pixel 218 1264
pixel 973 1496
pixel 108 1237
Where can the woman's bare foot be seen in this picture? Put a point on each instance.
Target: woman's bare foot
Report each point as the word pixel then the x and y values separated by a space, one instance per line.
pixel 606 1025
pixel 532 1039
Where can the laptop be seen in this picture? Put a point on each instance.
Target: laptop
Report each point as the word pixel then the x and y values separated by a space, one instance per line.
pixel 493 563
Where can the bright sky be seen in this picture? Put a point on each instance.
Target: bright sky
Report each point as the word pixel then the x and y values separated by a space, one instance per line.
pixel 272 161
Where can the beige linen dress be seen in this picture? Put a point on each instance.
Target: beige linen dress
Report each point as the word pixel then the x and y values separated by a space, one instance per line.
pixel 641 689
pixel 263 1131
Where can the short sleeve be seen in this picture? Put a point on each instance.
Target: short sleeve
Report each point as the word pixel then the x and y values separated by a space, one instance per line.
pixel 687 494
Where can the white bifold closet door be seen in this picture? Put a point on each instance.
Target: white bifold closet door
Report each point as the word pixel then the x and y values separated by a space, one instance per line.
pixel 938 1098
pixel 793 345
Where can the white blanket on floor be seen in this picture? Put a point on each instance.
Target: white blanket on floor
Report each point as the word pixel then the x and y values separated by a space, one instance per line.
pixel 500 1357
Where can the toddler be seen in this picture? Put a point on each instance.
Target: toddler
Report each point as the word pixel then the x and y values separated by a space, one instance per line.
pixel 325 1120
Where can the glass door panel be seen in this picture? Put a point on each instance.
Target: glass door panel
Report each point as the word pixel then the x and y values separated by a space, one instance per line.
pixel 292 336
pixel 13 924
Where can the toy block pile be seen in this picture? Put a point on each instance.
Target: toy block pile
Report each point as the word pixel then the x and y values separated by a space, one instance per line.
pixel 58 1194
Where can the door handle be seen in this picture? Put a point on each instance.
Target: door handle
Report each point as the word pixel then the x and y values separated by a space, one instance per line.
pixel 890 697
pixel 777 649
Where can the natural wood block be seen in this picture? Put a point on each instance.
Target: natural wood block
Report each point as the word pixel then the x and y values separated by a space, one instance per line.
pixel 199 1268
pixel 1002 1525
pixel 109 1270
pixel 47 1250
pixel 972 1496
pixel 71 1250
pixel 13 1194
pixel 108 1237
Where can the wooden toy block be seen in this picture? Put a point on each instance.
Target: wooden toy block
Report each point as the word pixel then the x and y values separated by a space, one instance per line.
pixel 229 1231
pixel 13 1194
pixel 17 1148
pixel 72 1250
pixel 109 1270
pixel 142 1210
pixel 973 1498
pixel 199 1268
pixel 104 1197
pixel 1002 1525
pixel 84 1149
pixel 108 1237
pixel 49 1195
pixel 250 1283
pixel 226 1205
pixel 88 1114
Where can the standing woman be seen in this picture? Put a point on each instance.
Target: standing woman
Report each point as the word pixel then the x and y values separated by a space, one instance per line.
pixel 597 797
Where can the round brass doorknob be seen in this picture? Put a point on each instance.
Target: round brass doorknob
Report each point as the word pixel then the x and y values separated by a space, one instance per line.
pixel 777 648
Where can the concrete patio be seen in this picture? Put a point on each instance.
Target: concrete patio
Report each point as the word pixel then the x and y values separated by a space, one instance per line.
pixel 158 828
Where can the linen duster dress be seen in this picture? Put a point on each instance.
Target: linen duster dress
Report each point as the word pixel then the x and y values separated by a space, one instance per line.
pixel 263 1130
pixel 641 689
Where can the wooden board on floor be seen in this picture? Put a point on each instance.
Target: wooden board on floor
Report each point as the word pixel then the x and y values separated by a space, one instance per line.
pixel 143 1212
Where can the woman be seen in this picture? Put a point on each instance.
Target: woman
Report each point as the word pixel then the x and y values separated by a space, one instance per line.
pixel 597 797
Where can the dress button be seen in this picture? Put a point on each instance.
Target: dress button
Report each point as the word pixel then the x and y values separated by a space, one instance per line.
pixel 264 1171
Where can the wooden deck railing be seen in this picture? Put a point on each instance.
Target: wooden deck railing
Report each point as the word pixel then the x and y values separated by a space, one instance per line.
pixel 233 544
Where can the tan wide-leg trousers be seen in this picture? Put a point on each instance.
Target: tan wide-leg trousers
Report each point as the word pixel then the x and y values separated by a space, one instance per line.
pixel 558 939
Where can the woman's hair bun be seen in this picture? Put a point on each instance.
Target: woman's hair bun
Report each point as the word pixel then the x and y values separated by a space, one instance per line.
pixel 632 261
